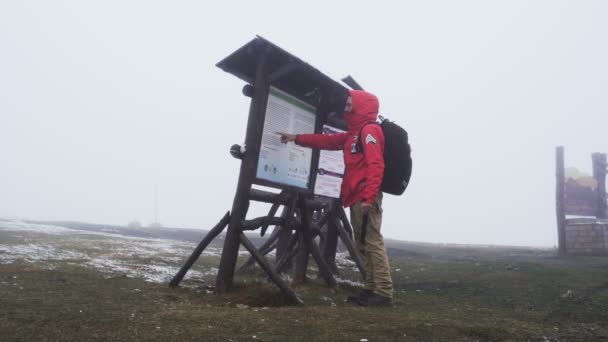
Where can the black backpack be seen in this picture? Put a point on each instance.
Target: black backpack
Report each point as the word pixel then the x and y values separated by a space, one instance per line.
pixel 397 157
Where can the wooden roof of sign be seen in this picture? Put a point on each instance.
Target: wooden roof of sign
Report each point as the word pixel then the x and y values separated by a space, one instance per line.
pixel 288 72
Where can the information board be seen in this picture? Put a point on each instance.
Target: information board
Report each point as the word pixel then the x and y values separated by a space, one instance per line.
pixel 286 164
pixel 331 169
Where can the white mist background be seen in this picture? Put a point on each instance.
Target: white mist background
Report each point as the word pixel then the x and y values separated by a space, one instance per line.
pixel 102 101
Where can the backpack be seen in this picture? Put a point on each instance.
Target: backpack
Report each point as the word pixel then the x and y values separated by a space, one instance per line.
pixel 397 157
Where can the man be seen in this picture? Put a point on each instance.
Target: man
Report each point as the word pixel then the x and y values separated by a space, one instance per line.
pixel 364 169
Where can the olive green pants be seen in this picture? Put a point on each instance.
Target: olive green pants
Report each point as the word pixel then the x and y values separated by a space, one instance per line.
pixel 373 250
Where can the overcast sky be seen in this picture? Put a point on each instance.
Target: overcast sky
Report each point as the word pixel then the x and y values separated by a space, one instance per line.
pixel 102 100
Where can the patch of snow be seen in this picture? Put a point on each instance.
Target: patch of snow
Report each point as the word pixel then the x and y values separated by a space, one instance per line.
pixel 349 282
pixel 150 273
pixel 32 253
pixel 343 261
pixel 153 260
pixel 20 226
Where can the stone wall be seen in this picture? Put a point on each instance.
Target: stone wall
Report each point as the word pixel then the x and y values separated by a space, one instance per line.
pixel 586 237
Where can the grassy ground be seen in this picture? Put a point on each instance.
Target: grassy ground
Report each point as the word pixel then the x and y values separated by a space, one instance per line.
pixel 442 294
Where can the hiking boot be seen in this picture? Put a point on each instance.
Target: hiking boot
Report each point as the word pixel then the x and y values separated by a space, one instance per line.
pixel 375 300
pixel 362 295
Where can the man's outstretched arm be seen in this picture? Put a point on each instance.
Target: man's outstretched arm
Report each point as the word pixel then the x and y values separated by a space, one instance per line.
pixel 320 141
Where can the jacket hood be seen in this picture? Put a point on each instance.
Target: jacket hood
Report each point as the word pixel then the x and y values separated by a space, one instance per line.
pixel 365 109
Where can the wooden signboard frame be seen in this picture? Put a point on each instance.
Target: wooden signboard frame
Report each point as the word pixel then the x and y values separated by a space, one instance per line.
pixel 261 63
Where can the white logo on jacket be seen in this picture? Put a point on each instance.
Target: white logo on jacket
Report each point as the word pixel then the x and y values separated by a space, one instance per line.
pixel 370 139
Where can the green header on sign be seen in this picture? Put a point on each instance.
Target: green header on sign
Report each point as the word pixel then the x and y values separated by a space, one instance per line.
pixel 292 100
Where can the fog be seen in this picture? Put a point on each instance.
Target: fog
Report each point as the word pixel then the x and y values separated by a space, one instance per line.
pixel 101 102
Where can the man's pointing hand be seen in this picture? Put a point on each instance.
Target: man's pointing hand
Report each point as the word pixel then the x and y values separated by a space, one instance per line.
pixel 286 137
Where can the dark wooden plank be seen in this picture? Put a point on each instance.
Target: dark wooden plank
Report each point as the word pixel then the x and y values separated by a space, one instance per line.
pixel 214 232
pixel 350 81
pixel 270 197
pixel 285 70
pixel 269 270
pixel 258 222
pixel 267 197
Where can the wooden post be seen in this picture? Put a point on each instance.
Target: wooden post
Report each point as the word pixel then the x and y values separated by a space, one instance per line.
pixel 215 231
pixel 560 200
pixel 240 205
pixel 599 173
pixel 330 245
pixel 285 235
pixel 303 254
pixel 302 257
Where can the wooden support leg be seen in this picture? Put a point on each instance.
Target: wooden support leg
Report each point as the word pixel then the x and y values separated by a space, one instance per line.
pixel 285 235
pixel 352 250
pixel 345 223
pixel 215 231
pixel 268 269
pixel 230 253
pixel 266 248
pixel 284 262
pixel 322 235
pixel 277 233
pixel 314 249
pixel 301 259
pixel 330 246
pixel 324 269
pixel 273 211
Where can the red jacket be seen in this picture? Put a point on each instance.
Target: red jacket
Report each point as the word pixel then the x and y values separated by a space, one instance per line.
pixel 363 169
